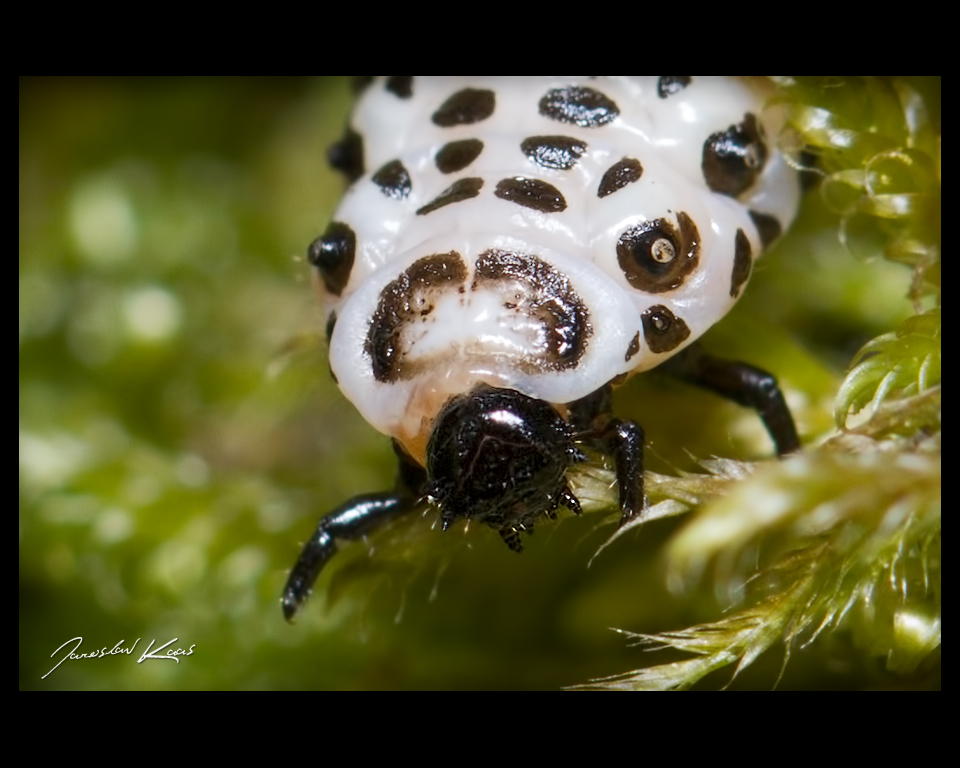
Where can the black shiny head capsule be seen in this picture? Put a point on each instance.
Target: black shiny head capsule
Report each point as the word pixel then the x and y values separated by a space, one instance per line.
pixel 500 457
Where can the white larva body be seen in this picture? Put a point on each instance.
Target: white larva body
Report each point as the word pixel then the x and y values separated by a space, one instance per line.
pixel 482 274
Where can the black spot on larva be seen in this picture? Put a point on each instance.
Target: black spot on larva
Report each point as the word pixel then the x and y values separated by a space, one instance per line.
pixel 465 107
pixel 546 300
pixel 663 330
pixel 577 105
pixel 656 256
pixel 531 193
pixel 742 263
pixel 618 175
pixel 768 227
pixel 409 297
pixel 460 190
pixel 393 180
pixel 332 254
pixel 331 323
pixel 633 348
pixel 668 85
pixel 558 152
pixel 400 86
pixel 457 155
pixel 734 158
pixel 346 155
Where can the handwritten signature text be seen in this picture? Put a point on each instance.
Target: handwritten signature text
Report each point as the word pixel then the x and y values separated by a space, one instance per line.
pixel 119 648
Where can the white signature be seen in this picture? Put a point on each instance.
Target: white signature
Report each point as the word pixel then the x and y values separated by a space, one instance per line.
pixel 171 654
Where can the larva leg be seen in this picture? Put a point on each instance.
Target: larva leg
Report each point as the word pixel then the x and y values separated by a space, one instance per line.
pixel 745 385
pixel 592 418
pixel 350 521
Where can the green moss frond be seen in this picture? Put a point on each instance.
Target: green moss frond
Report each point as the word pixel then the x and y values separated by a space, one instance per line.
pixel 902 363
pixel 877 144
pixel 845 540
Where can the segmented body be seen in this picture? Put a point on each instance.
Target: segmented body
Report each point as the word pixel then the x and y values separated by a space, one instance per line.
pixel 543 234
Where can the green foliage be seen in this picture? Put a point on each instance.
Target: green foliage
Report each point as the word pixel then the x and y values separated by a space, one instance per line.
pixel 902 363
pixel 847 540
pixel 876 141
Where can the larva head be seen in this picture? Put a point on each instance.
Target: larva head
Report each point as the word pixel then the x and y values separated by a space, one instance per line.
pixel 499 457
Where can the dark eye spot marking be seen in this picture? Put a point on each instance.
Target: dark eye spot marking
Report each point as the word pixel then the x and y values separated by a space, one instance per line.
pixel 457 155
pixel 558 152
pixel 333 254
pixel 400 86
pixel 577 105
pixel 663 330
pixel 460 190
pixel 393 180
pixel 471 105
pixel 656 257
pixel 531 193
pixel 671 84
pixel 768 227
pixel 734 158
pixel 545 300
pixel 346 155
pixel 742 263
pixel 409 297
pixel 633 348
pixel 619 175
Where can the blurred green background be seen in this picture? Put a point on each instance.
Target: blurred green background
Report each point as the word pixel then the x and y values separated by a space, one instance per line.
pixel 179 434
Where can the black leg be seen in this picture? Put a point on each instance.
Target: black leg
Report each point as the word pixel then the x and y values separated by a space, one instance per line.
pixel 744 384
pixel 592 418
pixel 352 520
